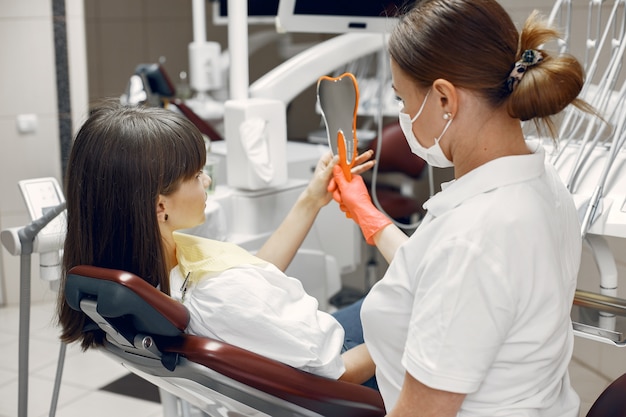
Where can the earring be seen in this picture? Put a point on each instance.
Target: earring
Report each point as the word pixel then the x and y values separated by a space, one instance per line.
pixel 166 217
pixel 447 116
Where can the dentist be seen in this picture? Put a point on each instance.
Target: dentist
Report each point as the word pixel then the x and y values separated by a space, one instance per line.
pixel 472 318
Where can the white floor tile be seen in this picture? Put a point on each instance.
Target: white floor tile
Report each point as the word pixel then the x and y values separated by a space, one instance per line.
pixel 7 339
pixel 90 369
pixel 42 353
pixel 7 377
pixel 40 315
pixel 9 320
pixel 83 372
pixel 39 397
pixel 43 323
pixel 104 404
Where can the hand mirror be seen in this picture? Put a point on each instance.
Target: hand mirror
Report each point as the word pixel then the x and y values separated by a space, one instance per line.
pixel 338 98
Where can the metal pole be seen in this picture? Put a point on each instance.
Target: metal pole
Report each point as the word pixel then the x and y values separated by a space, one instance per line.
pixel 27 236
pixel 57 380
pixel 22 377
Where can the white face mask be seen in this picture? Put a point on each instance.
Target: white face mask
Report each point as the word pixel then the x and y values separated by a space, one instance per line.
pixel 434 156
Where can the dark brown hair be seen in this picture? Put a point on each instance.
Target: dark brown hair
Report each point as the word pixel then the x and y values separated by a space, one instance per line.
pixel 474 44
pixel 122 159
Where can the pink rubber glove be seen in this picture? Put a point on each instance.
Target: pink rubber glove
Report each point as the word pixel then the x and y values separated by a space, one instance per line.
pixel 355 201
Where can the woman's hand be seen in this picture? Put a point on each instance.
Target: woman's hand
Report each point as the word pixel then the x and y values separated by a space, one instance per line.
pixel 322 183
pixel 363 162
pixel 316 190
pixel 282 246
pixel 354 200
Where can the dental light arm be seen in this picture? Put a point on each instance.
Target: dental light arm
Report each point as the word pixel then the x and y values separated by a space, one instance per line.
pixel 293 76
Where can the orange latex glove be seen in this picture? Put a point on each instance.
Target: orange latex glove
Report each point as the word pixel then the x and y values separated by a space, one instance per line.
pixel 355 201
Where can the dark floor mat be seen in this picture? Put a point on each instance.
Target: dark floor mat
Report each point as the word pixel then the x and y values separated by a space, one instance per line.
pixel 345 297
pixel 133 386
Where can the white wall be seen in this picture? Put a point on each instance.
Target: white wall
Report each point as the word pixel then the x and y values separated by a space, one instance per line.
pixel 28 85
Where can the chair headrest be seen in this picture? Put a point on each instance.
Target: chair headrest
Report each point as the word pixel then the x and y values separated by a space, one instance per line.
pixel 121 294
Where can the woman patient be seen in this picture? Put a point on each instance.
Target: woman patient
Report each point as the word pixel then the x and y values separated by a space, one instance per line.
pixel 134 178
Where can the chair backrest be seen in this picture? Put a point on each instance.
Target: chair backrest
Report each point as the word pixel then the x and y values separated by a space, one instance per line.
pixel 396 193
pixel 612 401
pixel 145 333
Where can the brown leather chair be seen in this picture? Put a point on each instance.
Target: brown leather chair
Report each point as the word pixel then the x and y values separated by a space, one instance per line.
pixel 145 333
pixel 396 157
pixel 612 401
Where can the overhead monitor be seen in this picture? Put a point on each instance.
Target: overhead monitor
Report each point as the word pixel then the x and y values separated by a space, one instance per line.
pixel 340 16
pixel 259 11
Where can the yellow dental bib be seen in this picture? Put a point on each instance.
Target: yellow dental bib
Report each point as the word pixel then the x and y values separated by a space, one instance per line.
pixel 201 255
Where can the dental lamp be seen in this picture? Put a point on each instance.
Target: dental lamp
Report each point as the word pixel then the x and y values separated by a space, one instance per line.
pixel 255 128
pixel 204 56
pixel 293 76
pixel 205 68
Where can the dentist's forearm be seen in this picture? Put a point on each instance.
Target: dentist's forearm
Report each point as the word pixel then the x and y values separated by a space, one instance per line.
pixel 388 240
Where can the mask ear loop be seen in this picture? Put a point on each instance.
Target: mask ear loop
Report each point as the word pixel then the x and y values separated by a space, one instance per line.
pixel 448 117
pixel 431 184
pixel 419 112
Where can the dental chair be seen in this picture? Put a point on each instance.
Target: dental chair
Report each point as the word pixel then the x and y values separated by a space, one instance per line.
pixel 151 85
pixel 612 401
pixel 145 333
pixel 397 198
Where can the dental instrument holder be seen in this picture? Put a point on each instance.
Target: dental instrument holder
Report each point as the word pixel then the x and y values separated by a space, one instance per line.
pixel 28 242
pixel 590 157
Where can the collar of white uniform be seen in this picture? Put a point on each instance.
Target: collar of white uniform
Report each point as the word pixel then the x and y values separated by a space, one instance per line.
pixel 201 255
pixel 494 174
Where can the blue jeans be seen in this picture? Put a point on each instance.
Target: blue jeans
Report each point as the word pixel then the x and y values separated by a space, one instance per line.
pixel 350 318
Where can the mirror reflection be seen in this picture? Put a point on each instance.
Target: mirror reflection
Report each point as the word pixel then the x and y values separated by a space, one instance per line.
pixel 338 101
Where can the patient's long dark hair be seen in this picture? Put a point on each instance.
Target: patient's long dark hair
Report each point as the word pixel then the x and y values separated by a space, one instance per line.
pixel 122 159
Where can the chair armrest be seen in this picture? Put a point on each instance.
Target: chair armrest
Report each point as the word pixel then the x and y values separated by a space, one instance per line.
pixel 276 378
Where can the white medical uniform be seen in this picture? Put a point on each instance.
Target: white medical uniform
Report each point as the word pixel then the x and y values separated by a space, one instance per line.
pixel 259 308
pixel 478 300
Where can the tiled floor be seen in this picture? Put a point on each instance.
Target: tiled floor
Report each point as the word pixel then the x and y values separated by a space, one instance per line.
pixel 85 373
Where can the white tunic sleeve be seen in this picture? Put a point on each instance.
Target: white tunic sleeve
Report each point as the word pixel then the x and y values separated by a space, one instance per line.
pixel 262 310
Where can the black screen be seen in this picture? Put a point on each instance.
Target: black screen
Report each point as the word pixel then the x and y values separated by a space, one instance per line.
pixel 255 7
pixel 358 8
